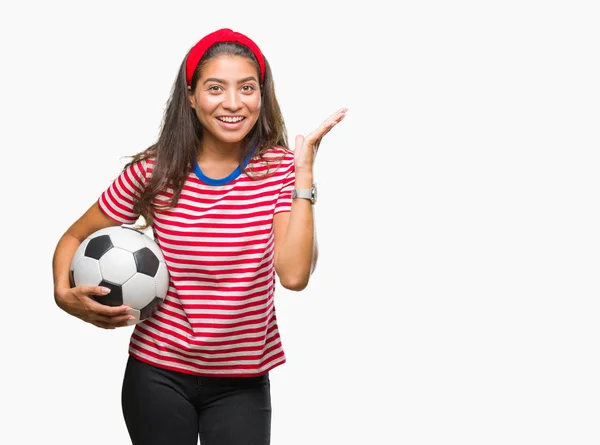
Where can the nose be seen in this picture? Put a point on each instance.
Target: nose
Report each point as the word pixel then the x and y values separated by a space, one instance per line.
pixel 231 100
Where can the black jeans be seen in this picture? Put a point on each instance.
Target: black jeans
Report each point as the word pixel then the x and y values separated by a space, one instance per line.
pixel 163 407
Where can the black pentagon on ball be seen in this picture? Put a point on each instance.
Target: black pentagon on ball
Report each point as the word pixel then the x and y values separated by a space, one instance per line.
pixel 150 308
pixel 146 262
pixel 98 246
pixel 114 298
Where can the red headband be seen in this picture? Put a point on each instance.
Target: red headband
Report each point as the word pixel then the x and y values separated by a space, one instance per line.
pixel 221 35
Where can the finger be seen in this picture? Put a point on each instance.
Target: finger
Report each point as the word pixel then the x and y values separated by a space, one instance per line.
pixel 335 118
pixel 88 291
pixel 105 310
pixel 326 126
pixel 115 321
pixel 314 139
pixel 95 290
pixel 102 324
pixel 109 311
pixel 100 291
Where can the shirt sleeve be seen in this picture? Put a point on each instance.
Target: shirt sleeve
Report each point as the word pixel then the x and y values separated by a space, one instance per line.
pixel 118 199
pixel 284 200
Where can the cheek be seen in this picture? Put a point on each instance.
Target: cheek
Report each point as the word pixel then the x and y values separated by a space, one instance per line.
pixel 203 109
pixel 255 104
pixel 207 103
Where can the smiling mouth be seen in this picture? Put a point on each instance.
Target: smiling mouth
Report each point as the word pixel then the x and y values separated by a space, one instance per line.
pixel 231 120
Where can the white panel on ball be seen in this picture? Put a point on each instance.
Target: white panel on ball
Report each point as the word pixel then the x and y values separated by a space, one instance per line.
pixel 162 280
pixel 87 272
pixel 136 314
pixel 127 239
pixel 79 252
pixel 139 291
pixel 105 231
pixel 117 265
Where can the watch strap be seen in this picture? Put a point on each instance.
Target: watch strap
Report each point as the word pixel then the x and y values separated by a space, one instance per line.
pixel 302 193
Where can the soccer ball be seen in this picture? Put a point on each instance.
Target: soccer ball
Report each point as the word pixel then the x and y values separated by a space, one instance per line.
pixel 128 262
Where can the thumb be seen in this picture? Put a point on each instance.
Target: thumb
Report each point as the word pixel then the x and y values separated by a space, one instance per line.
pixel 95 290
pixel 299 142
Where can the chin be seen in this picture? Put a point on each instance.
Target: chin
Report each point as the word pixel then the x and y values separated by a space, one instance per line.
pixel 232 139
pixel 232 136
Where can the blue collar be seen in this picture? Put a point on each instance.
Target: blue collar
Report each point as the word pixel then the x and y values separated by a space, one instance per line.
pixel 227 179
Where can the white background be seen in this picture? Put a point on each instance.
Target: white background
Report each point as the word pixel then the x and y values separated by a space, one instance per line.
pixel 456 299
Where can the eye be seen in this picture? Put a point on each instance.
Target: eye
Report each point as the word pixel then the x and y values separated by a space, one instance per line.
pixel 214 88
pixel 248 88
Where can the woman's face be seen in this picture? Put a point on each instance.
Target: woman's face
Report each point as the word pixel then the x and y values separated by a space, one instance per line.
pixel 227 98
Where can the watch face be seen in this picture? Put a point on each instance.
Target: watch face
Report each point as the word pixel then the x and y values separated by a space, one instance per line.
pixel 314 194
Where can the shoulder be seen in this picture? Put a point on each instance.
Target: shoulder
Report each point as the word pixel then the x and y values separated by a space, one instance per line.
pixel 277 153
pixel 276 157
pixel 279 150
pixel 271 164
pixel 140 167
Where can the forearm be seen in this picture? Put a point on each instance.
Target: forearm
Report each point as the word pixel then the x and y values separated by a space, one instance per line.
pixel 297 255
pixel 93 219
pixel 61 261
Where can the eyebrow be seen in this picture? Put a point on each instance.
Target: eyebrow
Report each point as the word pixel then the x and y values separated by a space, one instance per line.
pixel 245 79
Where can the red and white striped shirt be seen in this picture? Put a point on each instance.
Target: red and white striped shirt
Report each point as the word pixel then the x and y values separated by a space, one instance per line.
pixel 218 318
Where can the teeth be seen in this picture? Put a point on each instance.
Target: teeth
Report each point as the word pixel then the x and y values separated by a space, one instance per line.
pixel 231 119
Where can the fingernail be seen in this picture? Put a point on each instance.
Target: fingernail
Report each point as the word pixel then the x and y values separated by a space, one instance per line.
pixel 105 290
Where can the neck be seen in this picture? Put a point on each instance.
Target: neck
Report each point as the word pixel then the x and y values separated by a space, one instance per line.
pixel 211 150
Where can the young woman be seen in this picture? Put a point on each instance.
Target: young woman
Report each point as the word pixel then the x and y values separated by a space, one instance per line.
pixel 230 206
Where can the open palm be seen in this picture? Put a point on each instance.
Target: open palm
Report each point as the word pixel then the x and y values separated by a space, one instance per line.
pixel 305 150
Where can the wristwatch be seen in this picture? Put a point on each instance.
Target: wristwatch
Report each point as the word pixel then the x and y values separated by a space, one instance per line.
pixel 310 194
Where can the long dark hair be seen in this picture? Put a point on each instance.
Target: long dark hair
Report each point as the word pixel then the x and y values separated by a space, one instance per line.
pixel 176 149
